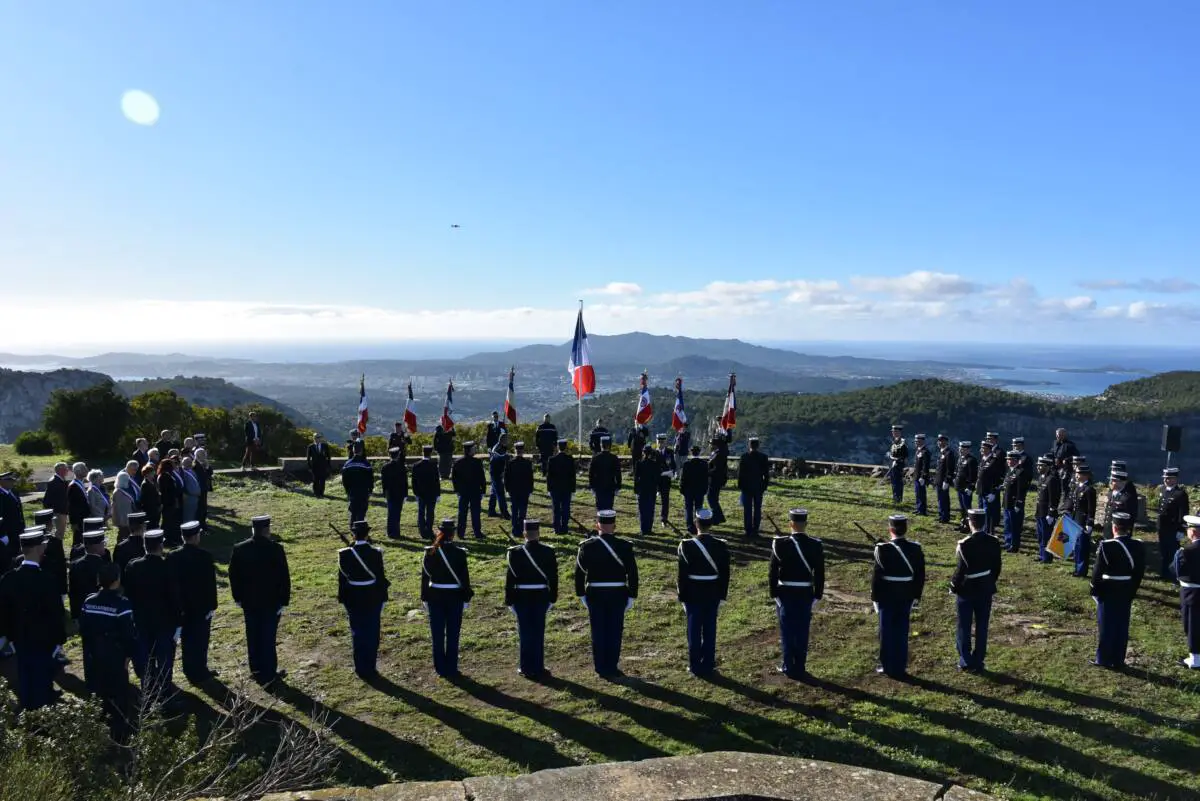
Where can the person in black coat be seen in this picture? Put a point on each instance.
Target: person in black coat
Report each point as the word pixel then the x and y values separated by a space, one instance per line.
pixel 78 508
pixel 157 612
pixel 897 582
pixel 1186 567
pixel 133 546
pixel 796 581
pixel 604 476
pixel 261 584
pixel 363 590
pixel 977 567
pixel 1172 506
pixel 922 461
pixel 446 593
pixel 31 619
pixel 530 591
pixel 1122 496
pixel 990 478
pixel 12 518
pixel 319 460
pixel 170 495
pixel 469 482
pixel 204 475
pixel 358 479
pixel 393 483
pixel 636 440
pixel 518 481
pixel 495 428
pixel 443 445
pixel 54 560
pixel 645 487
pixel 667 467
pixel 683 441
pixel 606 582
pixel 718 475
pixel 965 477
pixel 1116 576
pixel 109 637
pixel 897 462
pixel 194 573
pixel 497 463
pixel 1013 501
pixel 427 487
pixel 1064 453
pixel 693 485
pixel 399 438
pixel 1080 504
pixel 597 436
pixel 561 482
pixel 254 440
pixel 947 466
pixel 754 476
pixel 151 500
pixel 83 577
pixel 545 439
pixel 702 583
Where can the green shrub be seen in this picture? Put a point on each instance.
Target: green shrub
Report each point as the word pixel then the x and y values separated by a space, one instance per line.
pixel 34 443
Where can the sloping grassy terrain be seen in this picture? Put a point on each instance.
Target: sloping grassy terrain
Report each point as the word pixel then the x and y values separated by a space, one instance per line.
pixel 1042 724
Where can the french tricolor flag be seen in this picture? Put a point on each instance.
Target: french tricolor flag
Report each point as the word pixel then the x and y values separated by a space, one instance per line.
pixel 583 377
pixel 729 413
pixel 362 405
pixel 510 402
pixel 410 413
pixel 678 415
pixel 448 409
pixel 644 410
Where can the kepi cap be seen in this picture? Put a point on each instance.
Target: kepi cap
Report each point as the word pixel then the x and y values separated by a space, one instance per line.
pixel 606 516
pixel 798 515
pixel 153 534
pixel 94 535
pixel 360 528
pixel 531 525
pixel 447 526
pixel 190 527
pixel 93 523
pixel 33 536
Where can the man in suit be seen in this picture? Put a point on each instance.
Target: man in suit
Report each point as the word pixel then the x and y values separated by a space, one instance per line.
pixel 545 439
pixel 254 439
pixel 319 460
pixel 12 519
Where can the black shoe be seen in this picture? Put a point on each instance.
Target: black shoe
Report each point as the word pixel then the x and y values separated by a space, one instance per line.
pixel 372 676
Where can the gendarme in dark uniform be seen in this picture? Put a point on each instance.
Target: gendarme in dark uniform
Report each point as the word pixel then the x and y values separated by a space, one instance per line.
pixel 754 476
pixel 668 467
pixel 718 475
pixel 12 520
pixel 977 567
pixel 897 582
pixel 1172 507
pixel 261 584
pixel 703 585
pixel 393 483
pixel 446 592
pixel 1116 576
pixel 195 574
pixel 518 481
pixel 358 479
pixel 693 486
pixel 1049 498
pixel 1122 496
pixel 132 547
pixel 530 591
pixel 989 483
pixel 157 613
pixel 1014 503
pixel 604 475
pixel 897 461
pixel 947 466
pixel 965 476
pixel 1080 504
pixel 427 487
pixel 31 618
pixel 645 487
pixel 922 460
pixel 363 590
pixel 84 576
pixel 1187 572
pixel 109 638
pixel 606 580
pixel 470 483
pixel 561 479
pixel 796 580
pixel 54 563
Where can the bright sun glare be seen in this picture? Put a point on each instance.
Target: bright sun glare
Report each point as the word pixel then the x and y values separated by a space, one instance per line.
pixel 139 107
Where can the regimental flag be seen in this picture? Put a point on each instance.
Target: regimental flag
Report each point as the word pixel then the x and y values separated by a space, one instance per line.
pixel 510 403
pixel 678 415
pixel 1066 534
pixel 583 377
pixel 644 410
pixel 448 408
pixel 410 412
pixel 362 405
pixel 729 413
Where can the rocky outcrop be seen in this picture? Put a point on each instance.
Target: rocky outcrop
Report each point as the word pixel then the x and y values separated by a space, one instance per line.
pixel 23 396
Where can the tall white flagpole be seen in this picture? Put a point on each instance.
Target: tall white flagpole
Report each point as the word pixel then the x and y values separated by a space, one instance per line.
pixel 579 399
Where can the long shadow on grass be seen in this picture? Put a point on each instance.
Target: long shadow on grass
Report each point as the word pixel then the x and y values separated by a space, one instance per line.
pixel 1085 701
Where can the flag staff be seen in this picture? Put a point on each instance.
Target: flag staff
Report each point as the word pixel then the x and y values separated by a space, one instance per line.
pixel 579 400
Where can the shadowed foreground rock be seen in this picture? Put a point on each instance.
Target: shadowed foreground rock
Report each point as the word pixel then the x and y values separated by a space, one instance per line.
pixel 719 776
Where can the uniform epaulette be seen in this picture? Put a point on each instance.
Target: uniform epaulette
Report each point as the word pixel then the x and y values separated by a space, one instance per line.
pixel 815 539
pixel 343 550
pixel 914 542
pixel 964 539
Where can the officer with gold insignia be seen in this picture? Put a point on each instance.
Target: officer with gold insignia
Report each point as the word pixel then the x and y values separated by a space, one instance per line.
pixel 530 591
pixel 898 579
pixel 796 581
pixel 606 582
pixel 1172 506
pixel 922 460
pixel 977 567
pixel 1116 576
pixel 703 584
pixel 363 590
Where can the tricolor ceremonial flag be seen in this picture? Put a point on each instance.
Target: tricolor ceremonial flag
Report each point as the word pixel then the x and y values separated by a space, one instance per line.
pixel 448 409
pixel 1066 533
pixel 729 413
pixel 583 377
pixel 678 415
pixel 410 412
pixel 644 410
pixel 510 403
pixel 362 405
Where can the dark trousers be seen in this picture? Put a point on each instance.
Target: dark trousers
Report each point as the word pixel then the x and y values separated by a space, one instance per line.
pixel 702 635
pixel 645 504
pixel 498 496
pixel 795 620
pixel 964 502
pixel 364 638
pixel 445 624
pixel 1167 546
pixel 714 503
pixel 1083 552
pixel 193 641
pixel 976 610
pixel 426 512
pixel 115 703
pixel 544 460
pixel 752 513
pixel 172 535
pixel 920 497
pixel 159 648
pixel 1191 626
pixel 445 464
pixel 520 510
pixel 605 499
pixel 893 636
pixel 474 505
pixel 606 613
pixel 692 503
pixel 1112 618
pixel 664 498
pixel 992 508
pixel 943 502
pixel 357 507
pixel 1044 532
pixel 395 507
pixel 531 635
pixel 897 476
pixel 35 675
pixel 1014 521
pixel 261 627
pixel 560 504
pixel 319 484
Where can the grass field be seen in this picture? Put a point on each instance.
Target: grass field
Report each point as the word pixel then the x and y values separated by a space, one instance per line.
pixel 1042 724
pixel 38 464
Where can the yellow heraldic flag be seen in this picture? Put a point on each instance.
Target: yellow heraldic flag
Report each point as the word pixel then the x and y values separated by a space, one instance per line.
pixel 1066 533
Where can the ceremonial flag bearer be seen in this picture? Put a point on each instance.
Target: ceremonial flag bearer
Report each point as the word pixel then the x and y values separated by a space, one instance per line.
pixel 1116 576
pixel 530 591
pixel 703 585
pixel 362 589
pixel 606 581
pixel 896 586
pixel 1187 571
pixel 446 592
pixel 261 585
pixel 796 580
pixel 977 567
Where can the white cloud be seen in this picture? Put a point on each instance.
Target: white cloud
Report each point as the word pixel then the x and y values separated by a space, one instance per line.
pixel 1165 286
pixel 918 284
pixel 1079 303
pixel 618 288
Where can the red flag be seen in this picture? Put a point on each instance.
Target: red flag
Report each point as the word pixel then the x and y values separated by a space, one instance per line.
pixel 729 413
pixel 448 409
pixel 410 413
pixel 644 410
pixel 510 404
pixel 583 377
pixel 678 415
pixel 362 405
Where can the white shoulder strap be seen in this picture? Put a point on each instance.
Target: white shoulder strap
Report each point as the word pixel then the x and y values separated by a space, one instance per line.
pixel 707 555
pixel 900 551
pixel 800 553
pixel 958 550
pixel 354 553
pixel 1128 555
pixel 533 562
pixel 611 551
pixel 442 553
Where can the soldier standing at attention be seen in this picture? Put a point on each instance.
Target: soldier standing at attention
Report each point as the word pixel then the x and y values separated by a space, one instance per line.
pixel 443 444
pixel 1025 462
pixel 989 483
pixel 497 463
pixel 545 439
pixel 921 464
pixel 358 479
pixel 683 441
pixel 1172 506
pixel 1187 571
pixel 1080 504
pixel 896 586
pixel 518 480
pixel 560 483
pixel 1122 496
pixel 977 567
pixel 604 475
pixel 645 487
pixel 718 475
pixel 31 619
pixel 194 574
pixel 1048 501
pixel 965 476
pixel 606 581
pixel 261 584
pixel 693 485
pixel 530 591
pixel 318 464
pixel 133 546
pixel 636 440
pixel 446 592
pixel 393 480
pixel 596 436
pixel 398 438
pixel 494 429
pixel 157 613
pixel 703 584
pixel 362 589
pixel 754 476
pixel 668 468
pixel 109 639
pixel 1014 503
pixel 1116 576
pixel 469 483
pixel 12 519
pixel 427 486
pixel 897 460
pixel 84 576
pixel 944 477
pixel 1064 452
pixel 796 579
pixel 54 558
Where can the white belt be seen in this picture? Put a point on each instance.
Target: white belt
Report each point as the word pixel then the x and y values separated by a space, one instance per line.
pixel 532 586
pixel 897 578
pixel 1188 585
pixel 1107 577
pixel 703 578
pixel 979 575
pixel 795 583
pixel 607 584
pixel 446 586
pixel 366 583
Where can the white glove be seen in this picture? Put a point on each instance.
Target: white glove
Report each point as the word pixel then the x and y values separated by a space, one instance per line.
pixel 1049 520
pixel 280 612
pixel 583 600
pixel 720 603
pixel 991 497
pixel 814 604
pixel 1087 530
pixel 876 605
pixel 178 633
pixel 628 604
pixel 209 616
pixel 920 482
pixel 1097 600
pixel 945 486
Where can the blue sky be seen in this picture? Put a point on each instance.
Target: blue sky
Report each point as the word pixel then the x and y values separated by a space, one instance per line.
pixel 765 169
